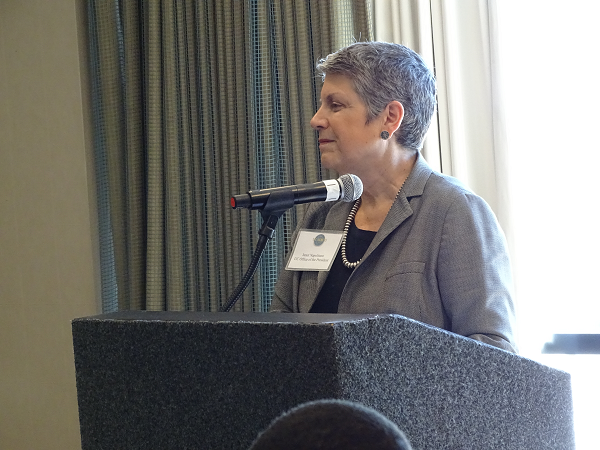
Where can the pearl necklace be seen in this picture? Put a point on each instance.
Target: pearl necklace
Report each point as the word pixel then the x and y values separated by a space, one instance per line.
pixel 349 220
pixel 348 264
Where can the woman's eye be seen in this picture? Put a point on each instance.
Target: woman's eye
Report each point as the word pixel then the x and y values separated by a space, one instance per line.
pixel 336 106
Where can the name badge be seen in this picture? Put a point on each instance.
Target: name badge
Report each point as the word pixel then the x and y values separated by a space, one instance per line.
pixel 314 250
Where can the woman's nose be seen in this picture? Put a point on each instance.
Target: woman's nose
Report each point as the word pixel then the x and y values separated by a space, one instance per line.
pixel 318 122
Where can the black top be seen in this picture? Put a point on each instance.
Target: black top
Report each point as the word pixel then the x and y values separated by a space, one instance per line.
pixel 357 243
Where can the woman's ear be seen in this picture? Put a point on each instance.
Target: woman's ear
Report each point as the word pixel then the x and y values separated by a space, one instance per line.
pixel 393 115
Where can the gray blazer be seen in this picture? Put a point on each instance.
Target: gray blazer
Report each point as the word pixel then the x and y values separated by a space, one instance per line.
pixel 439 257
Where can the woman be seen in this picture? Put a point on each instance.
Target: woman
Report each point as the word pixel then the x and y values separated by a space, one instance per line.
pixel 417 243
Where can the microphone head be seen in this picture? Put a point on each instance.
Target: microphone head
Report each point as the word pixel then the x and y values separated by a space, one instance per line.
pixel 352 187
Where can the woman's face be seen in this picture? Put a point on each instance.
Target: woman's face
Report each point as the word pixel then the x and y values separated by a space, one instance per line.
pixel 346 141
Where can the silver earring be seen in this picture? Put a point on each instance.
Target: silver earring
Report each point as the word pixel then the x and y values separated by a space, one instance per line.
pixel 385 135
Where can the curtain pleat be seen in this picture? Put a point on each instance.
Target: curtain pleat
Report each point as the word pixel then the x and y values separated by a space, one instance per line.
pixel 195 101
pixel 135 187
pixel 102 70
pixel 361 14
pixel 155 276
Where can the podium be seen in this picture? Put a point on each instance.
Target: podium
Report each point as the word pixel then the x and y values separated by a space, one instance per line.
pixel 191 380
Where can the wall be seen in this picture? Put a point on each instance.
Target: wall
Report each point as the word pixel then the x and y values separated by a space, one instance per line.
pixel 48 270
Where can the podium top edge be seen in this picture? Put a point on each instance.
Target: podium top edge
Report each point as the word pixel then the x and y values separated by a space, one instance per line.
pixel 250 317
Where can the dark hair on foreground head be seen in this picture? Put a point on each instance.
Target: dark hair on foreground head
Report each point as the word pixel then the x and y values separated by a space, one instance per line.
pixel 382 72
pixel 331 425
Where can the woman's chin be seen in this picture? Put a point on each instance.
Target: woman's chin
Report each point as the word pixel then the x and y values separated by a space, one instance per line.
pixel 330 163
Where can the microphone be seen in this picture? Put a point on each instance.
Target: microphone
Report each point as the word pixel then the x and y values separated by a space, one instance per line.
pixel 346 188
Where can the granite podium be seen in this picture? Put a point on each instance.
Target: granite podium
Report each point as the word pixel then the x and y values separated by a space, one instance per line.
pixel 183 380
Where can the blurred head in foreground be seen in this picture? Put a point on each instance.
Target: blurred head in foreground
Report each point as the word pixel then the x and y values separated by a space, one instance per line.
pixel 331 425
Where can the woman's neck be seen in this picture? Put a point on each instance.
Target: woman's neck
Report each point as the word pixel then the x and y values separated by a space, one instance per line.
pixel 380 189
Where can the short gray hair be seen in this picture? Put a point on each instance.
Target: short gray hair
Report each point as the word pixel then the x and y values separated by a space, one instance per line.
pixel 381 73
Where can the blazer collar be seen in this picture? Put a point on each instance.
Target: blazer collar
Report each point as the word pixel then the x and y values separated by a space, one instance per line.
pixel 415 183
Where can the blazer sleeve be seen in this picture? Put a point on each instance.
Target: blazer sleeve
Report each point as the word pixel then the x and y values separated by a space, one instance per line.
pixel 474 273
pixel 282 296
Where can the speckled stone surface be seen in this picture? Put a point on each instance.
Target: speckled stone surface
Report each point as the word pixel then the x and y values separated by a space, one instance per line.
pixel 152 380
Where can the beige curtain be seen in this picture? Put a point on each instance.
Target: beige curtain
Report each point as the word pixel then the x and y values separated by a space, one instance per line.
pixel 459 39
pixel 195 101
